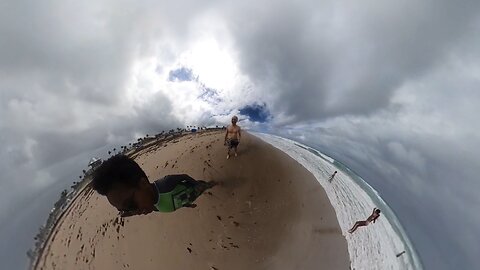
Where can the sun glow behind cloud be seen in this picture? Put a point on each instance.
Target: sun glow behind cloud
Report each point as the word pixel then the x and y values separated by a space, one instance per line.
pixel 394 96
pixel 212 63
pixel 214 69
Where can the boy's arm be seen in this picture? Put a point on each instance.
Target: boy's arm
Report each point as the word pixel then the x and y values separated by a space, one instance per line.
pixel 226 134
pixel 239 133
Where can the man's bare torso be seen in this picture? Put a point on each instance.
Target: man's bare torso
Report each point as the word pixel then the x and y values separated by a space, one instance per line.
pixel 232 132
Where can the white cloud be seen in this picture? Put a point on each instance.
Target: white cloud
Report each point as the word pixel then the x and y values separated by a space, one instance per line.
pixel 391 87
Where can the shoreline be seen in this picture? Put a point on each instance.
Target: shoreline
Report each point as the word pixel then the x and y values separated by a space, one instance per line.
pixel 378 243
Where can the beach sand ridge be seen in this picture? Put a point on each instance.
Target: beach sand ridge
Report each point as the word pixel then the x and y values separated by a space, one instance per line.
pixel 268 212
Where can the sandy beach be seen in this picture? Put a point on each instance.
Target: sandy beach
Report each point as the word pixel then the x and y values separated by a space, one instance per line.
pixel 268 212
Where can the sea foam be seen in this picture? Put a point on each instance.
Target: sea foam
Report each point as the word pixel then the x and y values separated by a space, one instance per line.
pixel 373 247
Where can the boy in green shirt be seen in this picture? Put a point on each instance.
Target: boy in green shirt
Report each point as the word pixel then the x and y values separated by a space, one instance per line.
pixel 127 188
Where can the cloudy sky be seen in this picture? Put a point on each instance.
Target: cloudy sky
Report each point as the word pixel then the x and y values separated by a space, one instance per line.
pixel 391 88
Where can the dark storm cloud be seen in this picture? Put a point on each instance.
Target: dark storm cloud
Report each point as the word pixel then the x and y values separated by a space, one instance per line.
pixel 428 176
pixel 60 50
pixel 344 64
pixel 334 65
pixel 63 73
pixel 339 58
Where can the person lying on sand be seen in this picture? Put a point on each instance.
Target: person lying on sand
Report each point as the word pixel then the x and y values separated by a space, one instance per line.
pixel 232 136
pixel 375 214
pixel 127 188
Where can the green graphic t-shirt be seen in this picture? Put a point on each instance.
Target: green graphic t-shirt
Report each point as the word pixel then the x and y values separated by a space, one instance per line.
pixel 174 192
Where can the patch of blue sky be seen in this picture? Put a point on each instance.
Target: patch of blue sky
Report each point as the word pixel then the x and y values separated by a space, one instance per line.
pixel 182 74
pixel 256 112
pixel 210 95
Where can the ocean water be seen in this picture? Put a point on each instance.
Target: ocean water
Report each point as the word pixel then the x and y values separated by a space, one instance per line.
pixel 373 247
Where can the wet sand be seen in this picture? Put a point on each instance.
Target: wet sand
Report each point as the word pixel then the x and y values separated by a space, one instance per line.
pixel 268 212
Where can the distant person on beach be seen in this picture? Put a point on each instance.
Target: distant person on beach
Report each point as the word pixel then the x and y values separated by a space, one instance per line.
pixel 233 136
pixel 331 177
pixel 400 254
pixel 375 214
pixel 127 188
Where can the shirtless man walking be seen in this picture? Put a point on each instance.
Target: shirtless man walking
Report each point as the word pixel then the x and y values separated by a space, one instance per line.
pixel 375 214
pixel 232 136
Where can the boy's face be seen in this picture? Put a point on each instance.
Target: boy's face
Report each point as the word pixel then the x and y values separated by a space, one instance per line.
pixel 135 200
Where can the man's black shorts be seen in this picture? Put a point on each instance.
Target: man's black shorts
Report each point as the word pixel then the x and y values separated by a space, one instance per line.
pixel 233 143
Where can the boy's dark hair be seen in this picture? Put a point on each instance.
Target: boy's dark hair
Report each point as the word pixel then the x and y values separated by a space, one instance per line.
pixel 118 169
pixel 377 211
